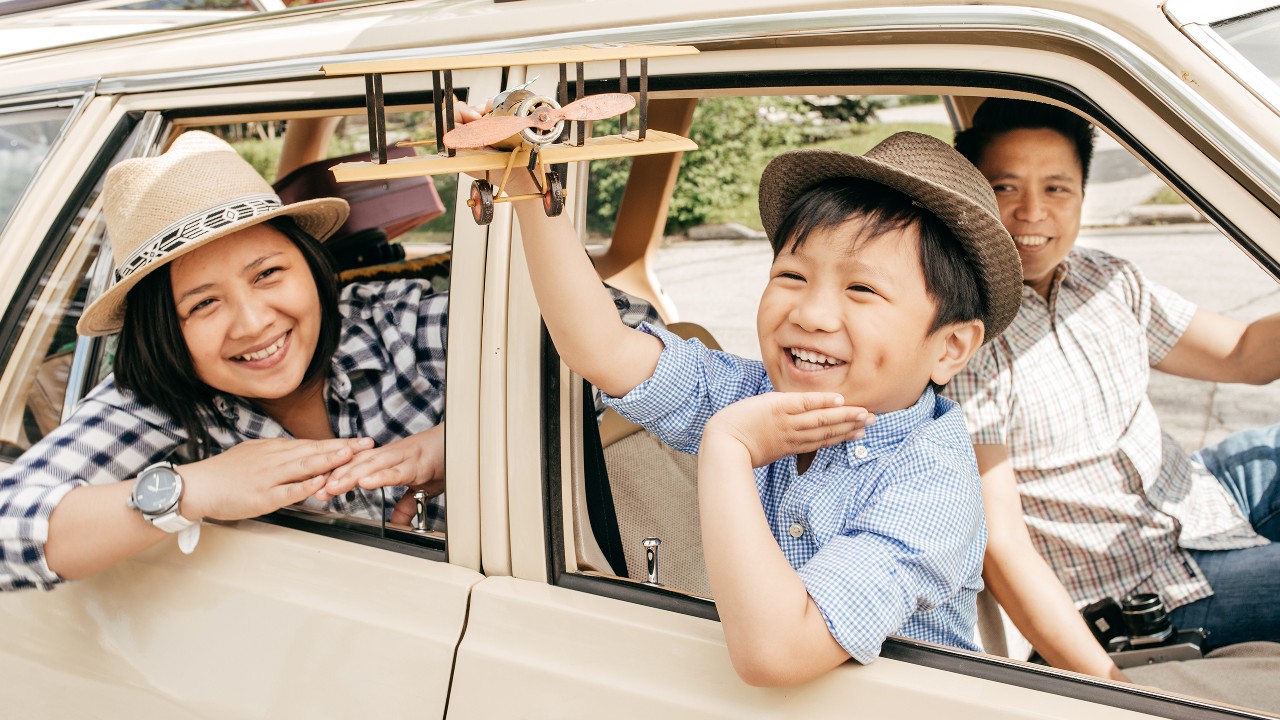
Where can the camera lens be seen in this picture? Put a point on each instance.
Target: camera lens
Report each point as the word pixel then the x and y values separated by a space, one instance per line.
pixel 1146 618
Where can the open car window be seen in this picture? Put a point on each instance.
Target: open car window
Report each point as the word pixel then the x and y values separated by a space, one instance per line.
pixel 632 496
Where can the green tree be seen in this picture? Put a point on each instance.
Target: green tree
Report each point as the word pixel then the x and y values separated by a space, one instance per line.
pixel 732 133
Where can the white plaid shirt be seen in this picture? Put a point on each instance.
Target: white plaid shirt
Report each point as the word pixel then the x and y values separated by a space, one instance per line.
pixel 386 382
pixel 1110 500
pixel 886 533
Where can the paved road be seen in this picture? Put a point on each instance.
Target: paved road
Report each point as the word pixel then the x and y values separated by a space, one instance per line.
pixel 718 283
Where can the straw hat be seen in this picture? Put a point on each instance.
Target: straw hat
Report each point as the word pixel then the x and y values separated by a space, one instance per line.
pixel 161 208
pixel 937 177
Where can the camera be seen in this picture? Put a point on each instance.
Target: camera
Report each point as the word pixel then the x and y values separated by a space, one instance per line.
pixel 1137 631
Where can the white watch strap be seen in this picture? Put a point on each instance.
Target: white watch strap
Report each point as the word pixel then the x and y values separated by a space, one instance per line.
pixel 172 522
pixel 188 537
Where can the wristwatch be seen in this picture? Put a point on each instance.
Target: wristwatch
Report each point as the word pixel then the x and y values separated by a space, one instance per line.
pixel 156 494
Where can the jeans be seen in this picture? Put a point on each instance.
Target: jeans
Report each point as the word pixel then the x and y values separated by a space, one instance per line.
pixel 1246 582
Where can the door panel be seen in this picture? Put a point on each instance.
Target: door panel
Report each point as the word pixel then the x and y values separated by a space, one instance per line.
pixel 561 653
pixel 260 622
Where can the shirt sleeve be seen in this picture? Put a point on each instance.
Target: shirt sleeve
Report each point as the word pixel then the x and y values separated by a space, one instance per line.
pixel 110 437
pixel 984 391
pixel 909 551
pixel 690 384
pixel 1163 313
pixel 433 337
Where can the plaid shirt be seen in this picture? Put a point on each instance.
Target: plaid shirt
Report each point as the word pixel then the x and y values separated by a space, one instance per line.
pixel 886 533
pixel 386 382
pixel 1110 500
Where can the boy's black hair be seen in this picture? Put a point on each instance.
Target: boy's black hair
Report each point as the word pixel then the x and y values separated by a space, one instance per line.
pixel 996 116
pixel 950 275
pixel 153 362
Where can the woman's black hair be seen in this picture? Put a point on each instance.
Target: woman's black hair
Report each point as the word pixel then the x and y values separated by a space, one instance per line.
pixel 997 116
pixel 950 274
pixel 153 362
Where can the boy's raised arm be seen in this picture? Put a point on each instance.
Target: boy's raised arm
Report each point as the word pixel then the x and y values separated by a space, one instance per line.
pixel 579 312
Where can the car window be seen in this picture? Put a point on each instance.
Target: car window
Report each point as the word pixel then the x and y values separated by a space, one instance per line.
pixel 707 272
pixel 39 367
pixel 398 231
pixel 1241 35
pixel 26 135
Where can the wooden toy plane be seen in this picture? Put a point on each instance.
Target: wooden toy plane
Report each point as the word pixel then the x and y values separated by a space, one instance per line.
pixel 524 129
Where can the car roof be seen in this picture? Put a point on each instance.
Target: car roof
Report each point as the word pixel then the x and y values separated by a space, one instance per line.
pixel 441 27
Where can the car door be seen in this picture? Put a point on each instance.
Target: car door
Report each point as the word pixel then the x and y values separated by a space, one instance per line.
pixel 565 635
pixel 300 614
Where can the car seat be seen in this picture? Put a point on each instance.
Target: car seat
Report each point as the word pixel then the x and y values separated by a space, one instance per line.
pixel 637 487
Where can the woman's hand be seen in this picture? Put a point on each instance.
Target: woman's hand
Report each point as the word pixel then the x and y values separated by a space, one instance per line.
pixel 777 424
pixel 416 462
pixel 260 476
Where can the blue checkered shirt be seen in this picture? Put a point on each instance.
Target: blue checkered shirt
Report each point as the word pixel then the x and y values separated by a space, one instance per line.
pixel 386 382
pixel 887 533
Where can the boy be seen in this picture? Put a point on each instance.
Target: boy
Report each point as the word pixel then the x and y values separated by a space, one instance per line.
pixel 884 281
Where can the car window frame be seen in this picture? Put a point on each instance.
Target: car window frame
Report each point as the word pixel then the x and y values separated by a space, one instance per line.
pixel 561 406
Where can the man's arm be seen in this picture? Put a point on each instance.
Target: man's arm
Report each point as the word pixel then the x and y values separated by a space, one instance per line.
pixel 1222 349
pixel 578 311
pixel 1022 581
pixel 775 632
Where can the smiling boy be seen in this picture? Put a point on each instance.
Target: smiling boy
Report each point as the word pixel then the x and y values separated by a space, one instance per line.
pixel 822 533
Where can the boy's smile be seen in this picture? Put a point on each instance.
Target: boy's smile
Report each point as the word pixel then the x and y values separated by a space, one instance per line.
pixel 855 320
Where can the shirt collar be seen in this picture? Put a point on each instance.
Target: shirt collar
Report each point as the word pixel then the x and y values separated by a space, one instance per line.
pixel 890 429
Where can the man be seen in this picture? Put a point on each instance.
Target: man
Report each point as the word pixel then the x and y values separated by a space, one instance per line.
pixel 1077 474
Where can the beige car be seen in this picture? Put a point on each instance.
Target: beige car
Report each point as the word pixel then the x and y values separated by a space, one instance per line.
pixel 536 601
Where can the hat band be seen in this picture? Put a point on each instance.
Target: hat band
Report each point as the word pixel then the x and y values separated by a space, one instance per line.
pixel 196 227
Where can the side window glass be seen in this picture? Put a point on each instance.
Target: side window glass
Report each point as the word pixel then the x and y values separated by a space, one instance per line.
pixel 40 366
pixel 26 135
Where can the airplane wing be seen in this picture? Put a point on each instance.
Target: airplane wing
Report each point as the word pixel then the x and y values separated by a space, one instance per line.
pixel 596 148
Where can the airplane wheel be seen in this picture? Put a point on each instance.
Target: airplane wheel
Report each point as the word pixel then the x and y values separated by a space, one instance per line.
pixel 481 202
pixel 553 198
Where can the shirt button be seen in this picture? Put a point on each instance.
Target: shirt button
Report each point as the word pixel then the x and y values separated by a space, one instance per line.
pixel 796 530
pixel 860 451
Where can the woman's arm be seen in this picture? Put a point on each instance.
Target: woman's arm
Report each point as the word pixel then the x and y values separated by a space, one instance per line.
pixel 92 528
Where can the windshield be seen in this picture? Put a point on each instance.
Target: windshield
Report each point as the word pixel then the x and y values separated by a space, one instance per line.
pixel 1257 38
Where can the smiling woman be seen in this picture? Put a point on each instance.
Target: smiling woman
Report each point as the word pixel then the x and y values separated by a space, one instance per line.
pixel 237 350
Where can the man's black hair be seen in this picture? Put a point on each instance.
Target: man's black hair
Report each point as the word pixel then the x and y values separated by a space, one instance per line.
pixel 153 361
pixel 996 116
pixel 950 275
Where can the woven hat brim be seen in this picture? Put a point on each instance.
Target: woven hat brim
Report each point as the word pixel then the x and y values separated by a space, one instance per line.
pixel 983 235
pixel 320 218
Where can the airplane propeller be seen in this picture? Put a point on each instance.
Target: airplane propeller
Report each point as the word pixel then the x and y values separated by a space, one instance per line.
pixel 491 129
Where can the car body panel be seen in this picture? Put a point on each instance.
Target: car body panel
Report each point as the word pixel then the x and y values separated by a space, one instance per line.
pixel 270 623
pixel 273 621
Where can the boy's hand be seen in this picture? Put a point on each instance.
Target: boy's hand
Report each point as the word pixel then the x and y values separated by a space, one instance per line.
pixel 778 424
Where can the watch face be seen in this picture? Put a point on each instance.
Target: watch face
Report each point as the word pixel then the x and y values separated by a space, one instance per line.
pixel 156 490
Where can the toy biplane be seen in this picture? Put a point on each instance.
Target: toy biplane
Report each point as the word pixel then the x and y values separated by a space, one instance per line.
pixel 524 129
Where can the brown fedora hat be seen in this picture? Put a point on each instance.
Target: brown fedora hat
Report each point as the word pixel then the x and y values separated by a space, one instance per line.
pixel 937 177
pixel 163 207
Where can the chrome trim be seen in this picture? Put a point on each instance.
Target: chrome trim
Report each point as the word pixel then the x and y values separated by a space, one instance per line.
pixel 1255 162
pixel 48 93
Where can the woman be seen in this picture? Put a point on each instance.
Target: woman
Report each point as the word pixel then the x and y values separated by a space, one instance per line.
pixel 236 351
